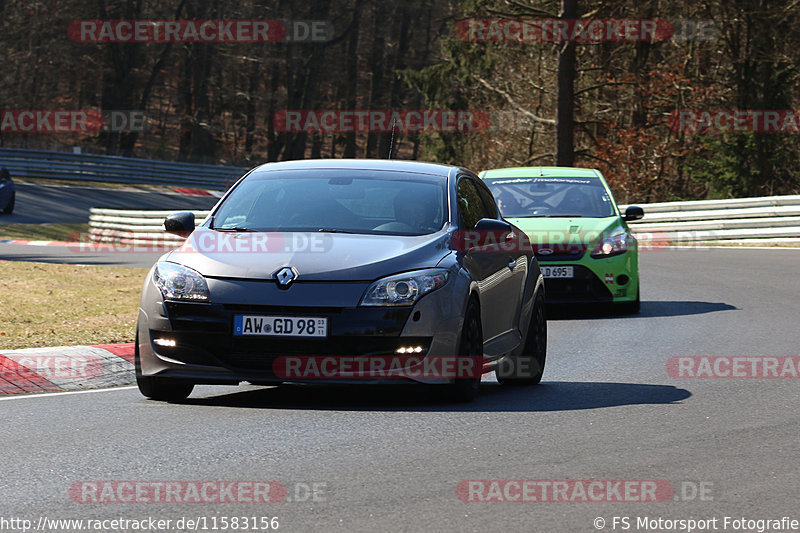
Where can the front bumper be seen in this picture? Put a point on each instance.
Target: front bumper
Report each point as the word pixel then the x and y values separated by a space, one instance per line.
pixel 206 350
pixel 610 280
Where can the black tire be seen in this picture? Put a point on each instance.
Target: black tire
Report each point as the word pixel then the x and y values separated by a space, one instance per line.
pixel 470 344
pixel 528 367
pixel 10 207
pixel 631 308
pixel 157 388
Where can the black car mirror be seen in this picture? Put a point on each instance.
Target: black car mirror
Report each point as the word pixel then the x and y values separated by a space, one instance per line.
pixel 181 223
pixel 492 224
pixel 498 229
pixel 633 212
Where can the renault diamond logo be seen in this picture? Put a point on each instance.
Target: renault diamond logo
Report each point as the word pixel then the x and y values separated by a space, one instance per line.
pixel 285 277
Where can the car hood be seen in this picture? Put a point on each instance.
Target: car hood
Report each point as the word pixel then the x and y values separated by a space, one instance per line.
pixel 547 230
pixel 315 256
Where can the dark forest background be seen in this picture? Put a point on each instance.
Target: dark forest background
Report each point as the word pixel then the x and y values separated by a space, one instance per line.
pixel 214 103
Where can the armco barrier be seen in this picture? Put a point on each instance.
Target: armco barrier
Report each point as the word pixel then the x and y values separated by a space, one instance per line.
pixel 746 220
pixel 126 226
pixel 113 169
pixel 769 219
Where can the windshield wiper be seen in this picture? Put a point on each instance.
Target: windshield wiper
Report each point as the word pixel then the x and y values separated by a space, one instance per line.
pixel 233 228
pixel 333 230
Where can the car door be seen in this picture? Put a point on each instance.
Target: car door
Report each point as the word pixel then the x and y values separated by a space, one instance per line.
pixel 514 257
pixel 486 263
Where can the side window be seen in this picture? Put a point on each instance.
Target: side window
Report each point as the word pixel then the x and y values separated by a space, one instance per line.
pixel 488 202
pixel 470 206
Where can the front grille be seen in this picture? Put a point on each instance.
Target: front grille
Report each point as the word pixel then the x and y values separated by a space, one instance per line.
pixel 559 252
pixel 218 318
pixel 270 309
pixel 584 286
pixel 244 354
pixel 200 317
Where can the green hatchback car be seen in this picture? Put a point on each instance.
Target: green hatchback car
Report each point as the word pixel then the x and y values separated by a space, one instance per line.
pixel 583 244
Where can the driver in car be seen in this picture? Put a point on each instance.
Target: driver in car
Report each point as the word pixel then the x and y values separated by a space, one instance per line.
pixel 575 202
pixel 508 205
pixel 418 214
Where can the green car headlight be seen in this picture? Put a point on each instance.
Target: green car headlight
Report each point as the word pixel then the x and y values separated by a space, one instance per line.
pixel 612 245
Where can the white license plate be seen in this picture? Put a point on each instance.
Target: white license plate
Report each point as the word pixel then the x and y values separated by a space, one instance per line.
pixel 557 271
pixel 280 326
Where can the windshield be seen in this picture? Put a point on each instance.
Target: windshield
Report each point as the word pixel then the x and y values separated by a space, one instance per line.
pixel 551 197
pixel 336 201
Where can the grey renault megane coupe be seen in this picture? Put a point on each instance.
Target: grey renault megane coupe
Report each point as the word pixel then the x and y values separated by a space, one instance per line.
pixel 344 271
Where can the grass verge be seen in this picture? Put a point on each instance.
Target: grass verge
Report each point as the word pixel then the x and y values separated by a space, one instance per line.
pixel 43 232
pixel 63 305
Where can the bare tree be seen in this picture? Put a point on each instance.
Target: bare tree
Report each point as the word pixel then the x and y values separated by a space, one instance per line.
pixel 565 117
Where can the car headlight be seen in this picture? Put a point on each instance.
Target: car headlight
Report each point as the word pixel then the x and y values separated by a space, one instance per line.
pixel 612 245
pixel 404 289
pixel 179 282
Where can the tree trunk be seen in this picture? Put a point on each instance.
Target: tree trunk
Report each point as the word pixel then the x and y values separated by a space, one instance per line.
pixel 352 77
pixel 565 125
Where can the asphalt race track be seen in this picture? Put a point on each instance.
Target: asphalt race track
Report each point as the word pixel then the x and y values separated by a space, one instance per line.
pixel 390 460
pixel 74 254
pixel 41 204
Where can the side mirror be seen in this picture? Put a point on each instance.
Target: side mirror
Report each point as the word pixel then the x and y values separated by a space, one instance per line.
pixel 181 224
pixel 488 235
pixel 493 230
pixel 493 224
pixel 633 212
